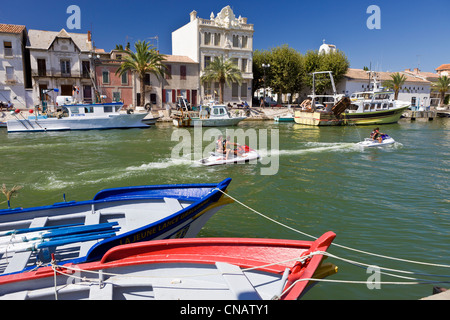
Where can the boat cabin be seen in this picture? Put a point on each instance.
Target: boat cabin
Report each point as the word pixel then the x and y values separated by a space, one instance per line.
pixel 81 110
pixel 214 111
pixel 385 95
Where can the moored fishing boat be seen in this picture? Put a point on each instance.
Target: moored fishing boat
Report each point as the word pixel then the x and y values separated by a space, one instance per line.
pixel 374 107
pixel 83 231
pixel 78 117
pixel 209 116
pixel 201 268
pixel 363 108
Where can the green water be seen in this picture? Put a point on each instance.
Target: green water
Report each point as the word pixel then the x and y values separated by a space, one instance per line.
pixel 391 201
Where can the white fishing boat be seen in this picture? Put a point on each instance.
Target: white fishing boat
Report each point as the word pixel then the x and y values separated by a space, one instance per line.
pixel 78 117
pixel 212 115
pixel 82 231
pixel 216 158
pixel 369 142
pixel 374 107
pixel 183 269
pixel 362 108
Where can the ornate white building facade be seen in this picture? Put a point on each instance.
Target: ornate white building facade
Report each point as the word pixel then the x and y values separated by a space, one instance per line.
pixel 202 40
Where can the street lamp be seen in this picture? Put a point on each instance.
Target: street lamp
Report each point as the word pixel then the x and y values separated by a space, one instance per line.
pixel 265 66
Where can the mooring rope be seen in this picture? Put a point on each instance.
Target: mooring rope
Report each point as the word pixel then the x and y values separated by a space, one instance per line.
pixel 334 244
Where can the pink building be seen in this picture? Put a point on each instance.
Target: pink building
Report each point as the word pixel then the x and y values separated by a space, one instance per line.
pixel 112 87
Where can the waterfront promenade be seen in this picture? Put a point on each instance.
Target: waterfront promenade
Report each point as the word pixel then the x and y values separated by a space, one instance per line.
pixel 256 113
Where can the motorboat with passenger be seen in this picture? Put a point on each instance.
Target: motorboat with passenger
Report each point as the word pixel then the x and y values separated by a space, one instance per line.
pixel 369 142
pixel 218 158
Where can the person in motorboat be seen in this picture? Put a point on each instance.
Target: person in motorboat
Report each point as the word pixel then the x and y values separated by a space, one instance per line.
pixel 234 148
pixel 377 135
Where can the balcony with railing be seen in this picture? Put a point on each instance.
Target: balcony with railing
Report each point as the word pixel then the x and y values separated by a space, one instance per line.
pixel 206 22
pixel 56 73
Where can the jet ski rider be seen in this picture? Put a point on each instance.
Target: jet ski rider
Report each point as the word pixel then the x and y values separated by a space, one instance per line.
pixel 237 149
pixel 377 135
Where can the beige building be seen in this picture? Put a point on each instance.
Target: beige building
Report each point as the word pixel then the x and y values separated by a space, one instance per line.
pixel 202 40
pixel 63 61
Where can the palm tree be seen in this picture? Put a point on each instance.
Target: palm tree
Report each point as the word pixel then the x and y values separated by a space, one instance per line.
pixel 223 71
pixel 146 60
pixel 396 83
pixel 442 85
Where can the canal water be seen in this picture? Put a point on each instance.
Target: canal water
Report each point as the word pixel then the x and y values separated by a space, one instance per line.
pixel 392 201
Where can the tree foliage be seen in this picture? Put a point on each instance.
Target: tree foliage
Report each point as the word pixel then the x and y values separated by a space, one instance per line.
pixel 442 85
pixel 336 62
pixel 223 71
pixel 290 71
pixel 396 83
pixel 286 70
pixel 145 60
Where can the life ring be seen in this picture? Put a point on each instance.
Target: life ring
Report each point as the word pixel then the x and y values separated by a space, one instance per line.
pixel 148 106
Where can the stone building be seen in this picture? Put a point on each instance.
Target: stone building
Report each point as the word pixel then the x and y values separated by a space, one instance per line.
pixel 63 61
pixel 223 35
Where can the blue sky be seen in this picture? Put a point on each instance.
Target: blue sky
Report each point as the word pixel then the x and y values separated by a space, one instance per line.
pixel 413 33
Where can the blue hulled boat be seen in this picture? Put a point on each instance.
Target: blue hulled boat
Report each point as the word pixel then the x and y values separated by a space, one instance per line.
pixel 83 231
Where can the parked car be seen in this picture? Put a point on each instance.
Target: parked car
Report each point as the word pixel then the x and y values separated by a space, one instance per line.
pixel 269 102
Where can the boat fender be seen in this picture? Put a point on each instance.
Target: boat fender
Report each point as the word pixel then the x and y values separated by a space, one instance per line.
pixel 129 111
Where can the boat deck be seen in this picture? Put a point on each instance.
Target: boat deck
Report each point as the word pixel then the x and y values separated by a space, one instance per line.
pixel 129 215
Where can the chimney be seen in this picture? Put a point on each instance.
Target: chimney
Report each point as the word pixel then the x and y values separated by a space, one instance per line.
pixel 89 36
pixel 193 15
pixel 416 70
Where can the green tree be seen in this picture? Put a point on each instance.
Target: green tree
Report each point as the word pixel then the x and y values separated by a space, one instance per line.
pixel 396 83
pixel 286 70
pixel 336 62
pixel 260 57
pixel 223 71
pixel 145 60
pixel 442 85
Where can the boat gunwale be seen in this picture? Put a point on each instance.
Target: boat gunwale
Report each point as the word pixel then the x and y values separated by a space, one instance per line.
pixel 96 198
pixel 134 254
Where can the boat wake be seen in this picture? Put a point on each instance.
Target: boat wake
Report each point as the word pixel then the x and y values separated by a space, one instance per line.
pixel 312 147
pixel 60 180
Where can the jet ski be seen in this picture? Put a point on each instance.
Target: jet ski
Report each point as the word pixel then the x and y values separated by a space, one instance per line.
pixel 216 158
pixel 368 142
